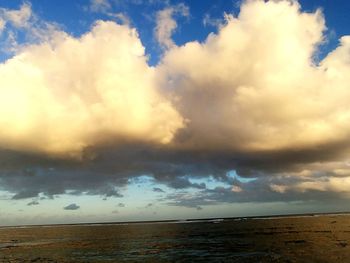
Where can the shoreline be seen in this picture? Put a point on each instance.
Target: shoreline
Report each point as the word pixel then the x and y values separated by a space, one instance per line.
pixel 186 221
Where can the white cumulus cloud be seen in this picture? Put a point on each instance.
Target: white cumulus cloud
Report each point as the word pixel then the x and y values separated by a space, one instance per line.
pixel 61 96
pixel 255 85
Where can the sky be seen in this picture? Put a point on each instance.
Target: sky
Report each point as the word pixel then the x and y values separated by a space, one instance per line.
pixel 134 110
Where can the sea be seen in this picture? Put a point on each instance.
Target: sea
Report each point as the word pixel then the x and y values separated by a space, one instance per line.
pixel 301 238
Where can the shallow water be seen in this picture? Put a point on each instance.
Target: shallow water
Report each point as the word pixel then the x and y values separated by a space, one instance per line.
pixel 301 239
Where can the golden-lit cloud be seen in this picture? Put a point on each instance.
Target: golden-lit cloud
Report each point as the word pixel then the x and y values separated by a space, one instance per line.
pixel 255 85
pixel 62 96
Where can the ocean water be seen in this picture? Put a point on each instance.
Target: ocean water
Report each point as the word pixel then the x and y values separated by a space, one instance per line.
pixel 295 239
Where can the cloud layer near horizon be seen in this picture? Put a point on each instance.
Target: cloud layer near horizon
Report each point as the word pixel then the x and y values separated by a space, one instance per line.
pixel 251 98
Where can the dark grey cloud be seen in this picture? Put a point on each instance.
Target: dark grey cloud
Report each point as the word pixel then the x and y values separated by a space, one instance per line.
pixel 109 191
pixel 158 190
pixel 27 193
pixel 180 182
pixel 105 170
pixel 256 191
pixel 71 207
pixel 33 203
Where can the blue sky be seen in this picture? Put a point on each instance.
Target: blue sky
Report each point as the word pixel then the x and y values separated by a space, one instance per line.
pixel 76 18
pixel 184 119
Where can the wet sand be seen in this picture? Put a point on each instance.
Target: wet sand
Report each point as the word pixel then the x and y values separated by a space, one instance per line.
pixel 296 239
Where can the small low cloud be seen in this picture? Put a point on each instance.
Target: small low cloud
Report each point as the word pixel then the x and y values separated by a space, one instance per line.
pixel 113 193
pixel 121 205
pixel 33 203
pixel 158 190
pixel 71 207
